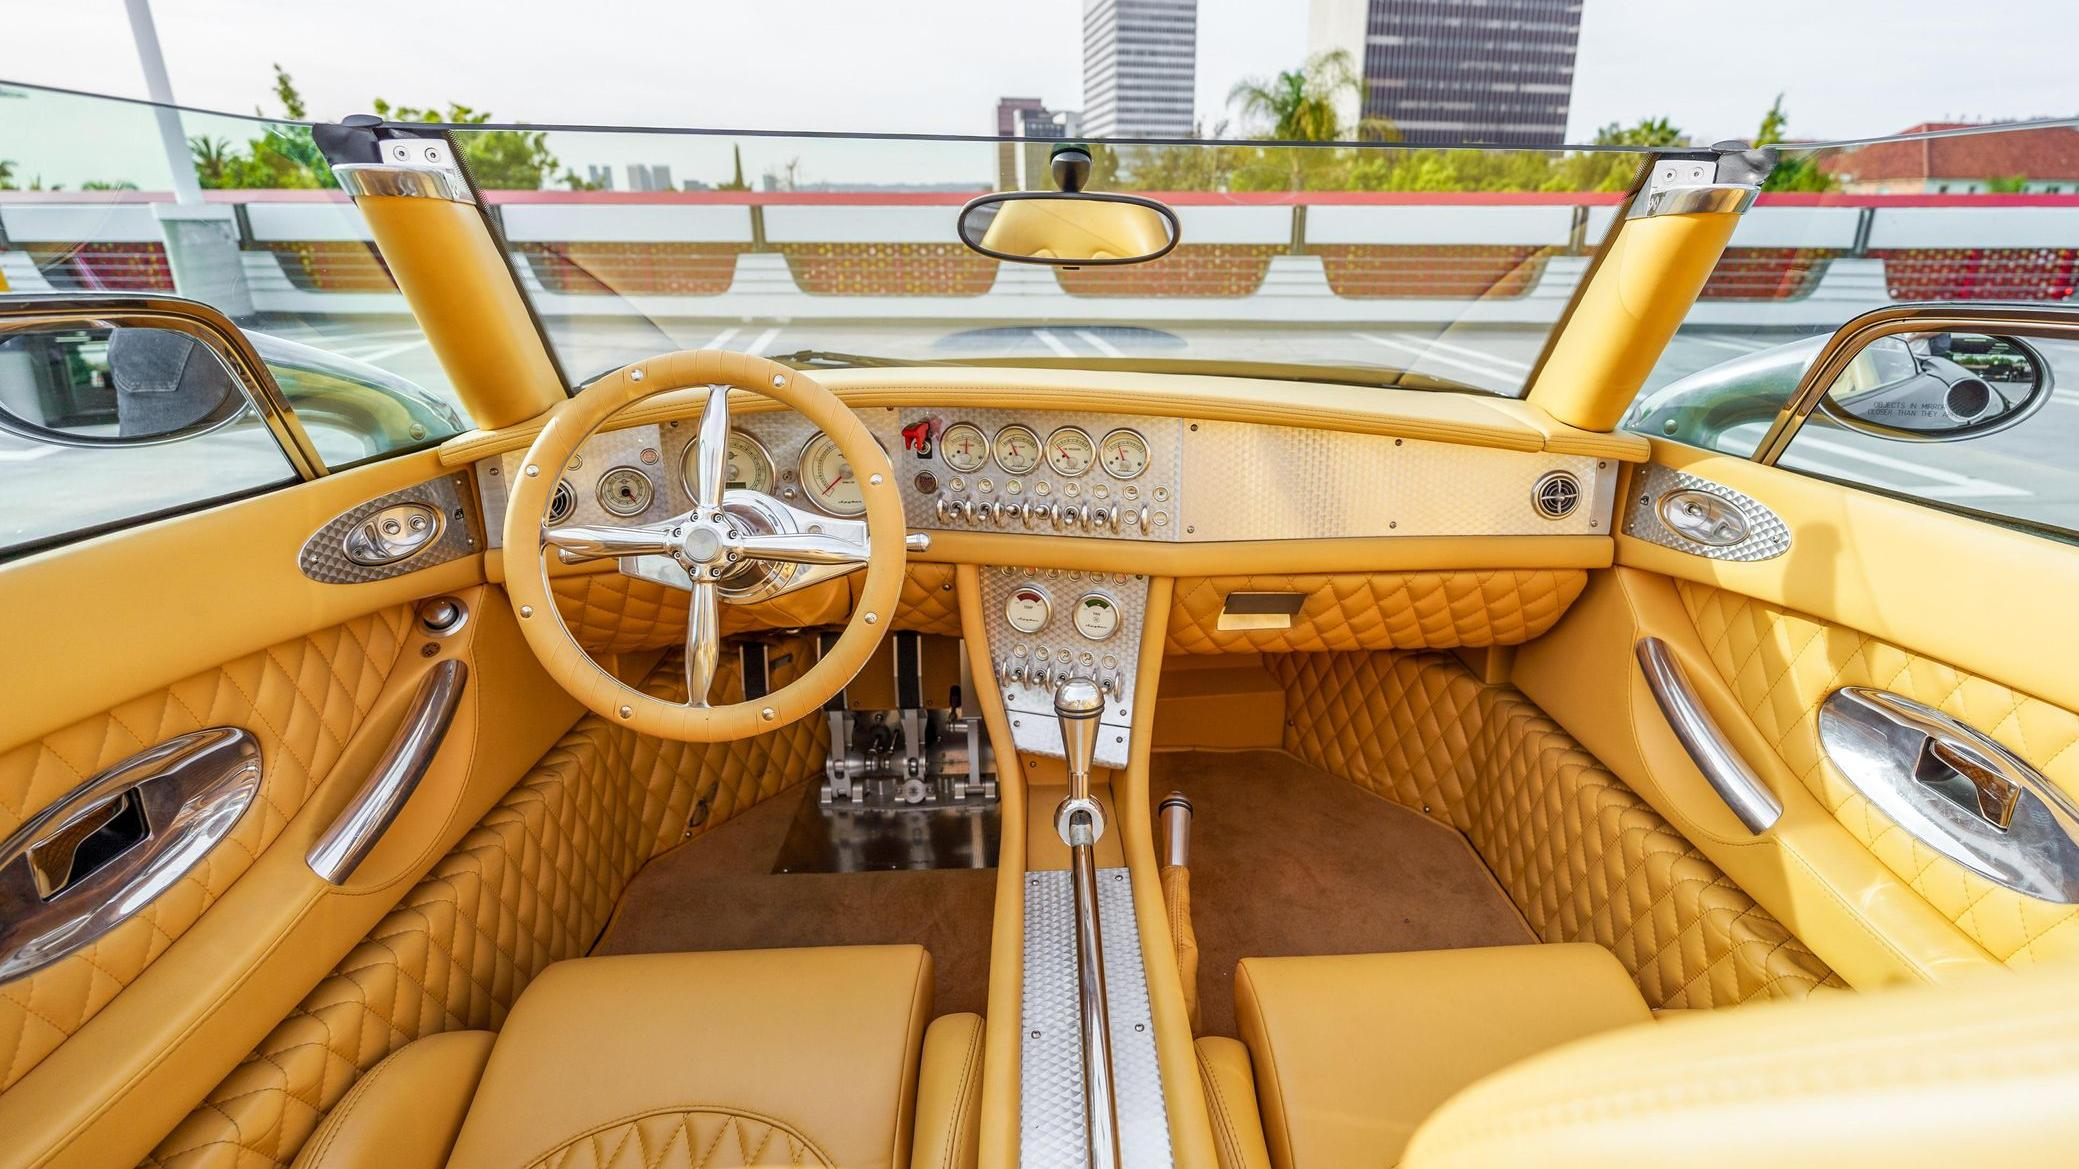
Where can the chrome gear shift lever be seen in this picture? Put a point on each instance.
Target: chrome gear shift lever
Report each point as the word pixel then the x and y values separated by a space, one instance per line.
pixel 1078 704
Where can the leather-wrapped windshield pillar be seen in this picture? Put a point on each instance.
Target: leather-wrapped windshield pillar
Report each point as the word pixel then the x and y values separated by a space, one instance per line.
pixel 1635 297
pixel 450 266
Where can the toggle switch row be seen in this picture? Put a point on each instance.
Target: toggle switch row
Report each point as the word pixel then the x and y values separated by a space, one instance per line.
pixel 1035 516
pixel 1042 676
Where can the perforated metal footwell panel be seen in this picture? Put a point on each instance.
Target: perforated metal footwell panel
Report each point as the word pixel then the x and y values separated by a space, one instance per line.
pixel 1050 1102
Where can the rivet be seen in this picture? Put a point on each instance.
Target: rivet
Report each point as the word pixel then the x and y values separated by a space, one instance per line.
pixel 1140 1026
pixel 532 470
pixel 872 619
pixel 768 714
pixel 635 375
pixel 627 712
pixel 1035 1034
pixel 874 479
pixel 778 380
pixel 526 610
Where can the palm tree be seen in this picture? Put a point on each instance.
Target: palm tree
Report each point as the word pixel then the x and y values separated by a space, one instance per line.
pixel 1300 104
pixel 212 156
pixel 6 174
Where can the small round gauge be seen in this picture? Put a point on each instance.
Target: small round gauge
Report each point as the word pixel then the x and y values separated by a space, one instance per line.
pixel 1028 609
pixel 626 491
pixel 1123 454
pixel 750 467
pixel 827 478
pixel 964 447
pixel 1097 616
pixel 1070 452
pixel 1017 449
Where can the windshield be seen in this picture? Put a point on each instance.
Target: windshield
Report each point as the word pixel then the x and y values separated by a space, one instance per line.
pixel 1378 264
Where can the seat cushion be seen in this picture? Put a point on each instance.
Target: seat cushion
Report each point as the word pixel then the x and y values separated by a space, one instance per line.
pixel 674 1061
pixel 1353 1051
pixel 405 1113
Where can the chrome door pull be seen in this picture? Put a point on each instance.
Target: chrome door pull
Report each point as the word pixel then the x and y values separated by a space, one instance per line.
pixel 1956 790
pixel 1728 774
pixel 110 846
pixel 361 824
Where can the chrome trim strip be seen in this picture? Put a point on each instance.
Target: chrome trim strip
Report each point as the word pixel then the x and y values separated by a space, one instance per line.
pixel 401 180
pixel 1756 806
pixel 361 824
pixel 1709 199
pixel 190 791
pixel 1918 766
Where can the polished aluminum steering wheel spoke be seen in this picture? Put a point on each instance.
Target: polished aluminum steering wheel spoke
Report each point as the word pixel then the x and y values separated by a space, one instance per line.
pixel 703 643
pixel 577 543
pixel 805 548
pixel 711 463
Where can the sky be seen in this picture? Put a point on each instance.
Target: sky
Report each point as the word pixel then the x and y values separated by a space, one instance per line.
pixel 1848 68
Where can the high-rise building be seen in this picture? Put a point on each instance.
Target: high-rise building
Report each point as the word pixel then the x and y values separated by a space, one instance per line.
pixel 1451 71
pixel 1009 113
pixel 1140 67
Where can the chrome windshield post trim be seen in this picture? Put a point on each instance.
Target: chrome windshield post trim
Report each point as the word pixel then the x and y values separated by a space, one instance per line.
pixel 1743 791
pixel 402 180
pixel 361 824
pixel 182 797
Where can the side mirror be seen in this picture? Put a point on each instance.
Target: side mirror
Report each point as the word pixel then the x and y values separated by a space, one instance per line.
pixel 1068 229
pixel 1938 387
pixel 81 381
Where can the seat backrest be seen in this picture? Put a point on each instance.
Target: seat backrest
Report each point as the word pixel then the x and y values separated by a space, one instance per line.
pixel 1980 1072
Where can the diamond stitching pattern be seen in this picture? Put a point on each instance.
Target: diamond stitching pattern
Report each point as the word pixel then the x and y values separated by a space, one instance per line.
pixel 611 613
pixel 1581 855
pixel 1782 664
pixel 699 1138
pixel 533 883
pixel 302 700
pixel 1394 610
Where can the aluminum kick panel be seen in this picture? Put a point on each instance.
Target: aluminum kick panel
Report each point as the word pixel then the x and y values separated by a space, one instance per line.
pixel 1051 1125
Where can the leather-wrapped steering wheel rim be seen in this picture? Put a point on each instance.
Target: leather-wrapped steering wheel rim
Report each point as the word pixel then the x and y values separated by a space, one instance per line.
pixel 526 554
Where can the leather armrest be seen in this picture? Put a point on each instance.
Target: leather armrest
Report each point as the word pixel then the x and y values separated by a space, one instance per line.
pixel 1223 1067
pixel 949 1094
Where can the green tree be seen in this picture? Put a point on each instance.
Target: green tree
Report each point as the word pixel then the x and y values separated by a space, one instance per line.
pixel 505 160
pixel 2006 185
pixel 6 174
pixel 1795 170
pixel 1299 105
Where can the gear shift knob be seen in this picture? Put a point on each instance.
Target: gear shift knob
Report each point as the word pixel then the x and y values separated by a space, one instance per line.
pixel 1078 702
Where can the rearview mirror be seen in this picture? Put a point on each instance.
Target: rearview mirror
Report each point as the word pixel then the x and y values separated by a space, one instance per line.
pixel 1045 227
pixel 90 383
pixel 1938 387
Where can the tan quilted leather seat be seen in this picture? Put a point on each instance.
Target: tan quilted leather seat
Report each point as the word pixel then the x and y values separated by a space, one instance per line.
pixel 1353 1051
pixel 680 1061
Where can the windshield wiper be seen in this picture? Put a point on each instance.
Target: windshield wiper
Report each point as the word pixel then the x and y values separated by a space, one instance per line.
pixel 831 359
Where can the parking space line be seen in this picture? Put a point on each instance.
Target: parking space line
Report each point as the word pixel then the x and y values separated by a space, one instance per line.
pixel 1506 364
pixel 27 454
pixel 721 339
pixel 763 342
pixel 1947 484
pixel 1721 342
pixel 388 351
pixel 1414 356
pixel 1098 343
pixel 1046 337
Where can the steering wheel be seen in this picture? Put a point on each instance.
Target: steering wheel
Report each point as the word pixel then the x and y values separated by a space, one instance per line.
pixel 735 545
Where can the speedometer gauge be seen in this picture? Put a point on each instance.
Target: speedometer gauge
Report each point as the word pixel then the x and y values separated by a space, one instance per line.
pixel 1070 452
pixel 827 479
pixel 964 447
pixel 1017 449
pixel 750 467
pixel 1123 454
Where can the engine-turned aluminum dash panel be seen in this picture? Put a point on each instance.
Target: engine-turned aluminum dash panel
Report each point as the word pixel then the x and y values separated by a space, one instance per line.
pixel 1052 1130
pixel 1048 625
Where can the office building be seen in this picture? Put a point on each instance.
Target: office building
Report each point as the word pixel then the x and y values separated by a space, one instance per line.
pixel 1450 71
pixel 1140 66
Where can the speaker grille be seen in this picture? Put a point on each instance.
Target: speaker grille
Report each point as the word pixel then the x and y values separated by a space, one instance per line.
pixel 1556 494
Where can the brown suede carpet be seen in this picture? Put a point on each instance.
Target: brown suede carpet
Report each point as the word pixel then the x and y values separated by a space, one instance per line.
pixel 718 893
pixel 1289 860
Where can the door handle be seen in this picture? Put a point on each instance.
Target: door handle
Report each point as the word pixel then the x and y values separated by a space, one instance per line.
pixel 1744 793
pixel 110 846
pixel 361 824
pixel 1956 790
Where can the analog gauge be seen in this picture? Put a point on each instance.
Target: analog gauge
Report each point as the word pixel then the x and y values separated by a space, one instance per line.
pixel 827 478
pixel 964 447
pixel 1028 609
pixel 626 491
pixel 1097 616
pixel 1017 449
pixel 1123 454
pixel 1070 452
pixel 750 467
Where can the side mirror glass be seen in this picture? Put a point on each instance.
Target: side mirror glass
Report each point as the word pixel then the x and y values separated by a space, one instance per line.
pixel 1938 387
pixel 76 383
pixel 1070 230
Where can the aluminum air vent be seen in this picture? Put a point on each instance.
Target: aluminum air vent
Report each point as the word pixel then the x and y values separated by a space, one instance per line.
pixel 563 502
pixel 1556 494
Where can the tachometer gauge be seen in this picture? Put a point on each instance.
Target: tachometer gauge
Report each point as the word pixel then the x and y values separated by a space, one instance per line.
pixel 750 466
pixel 1123 454
pixel 626 491
pixel 827 479
pixel 964 447
pixel 1017 449
pixel 1070 452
